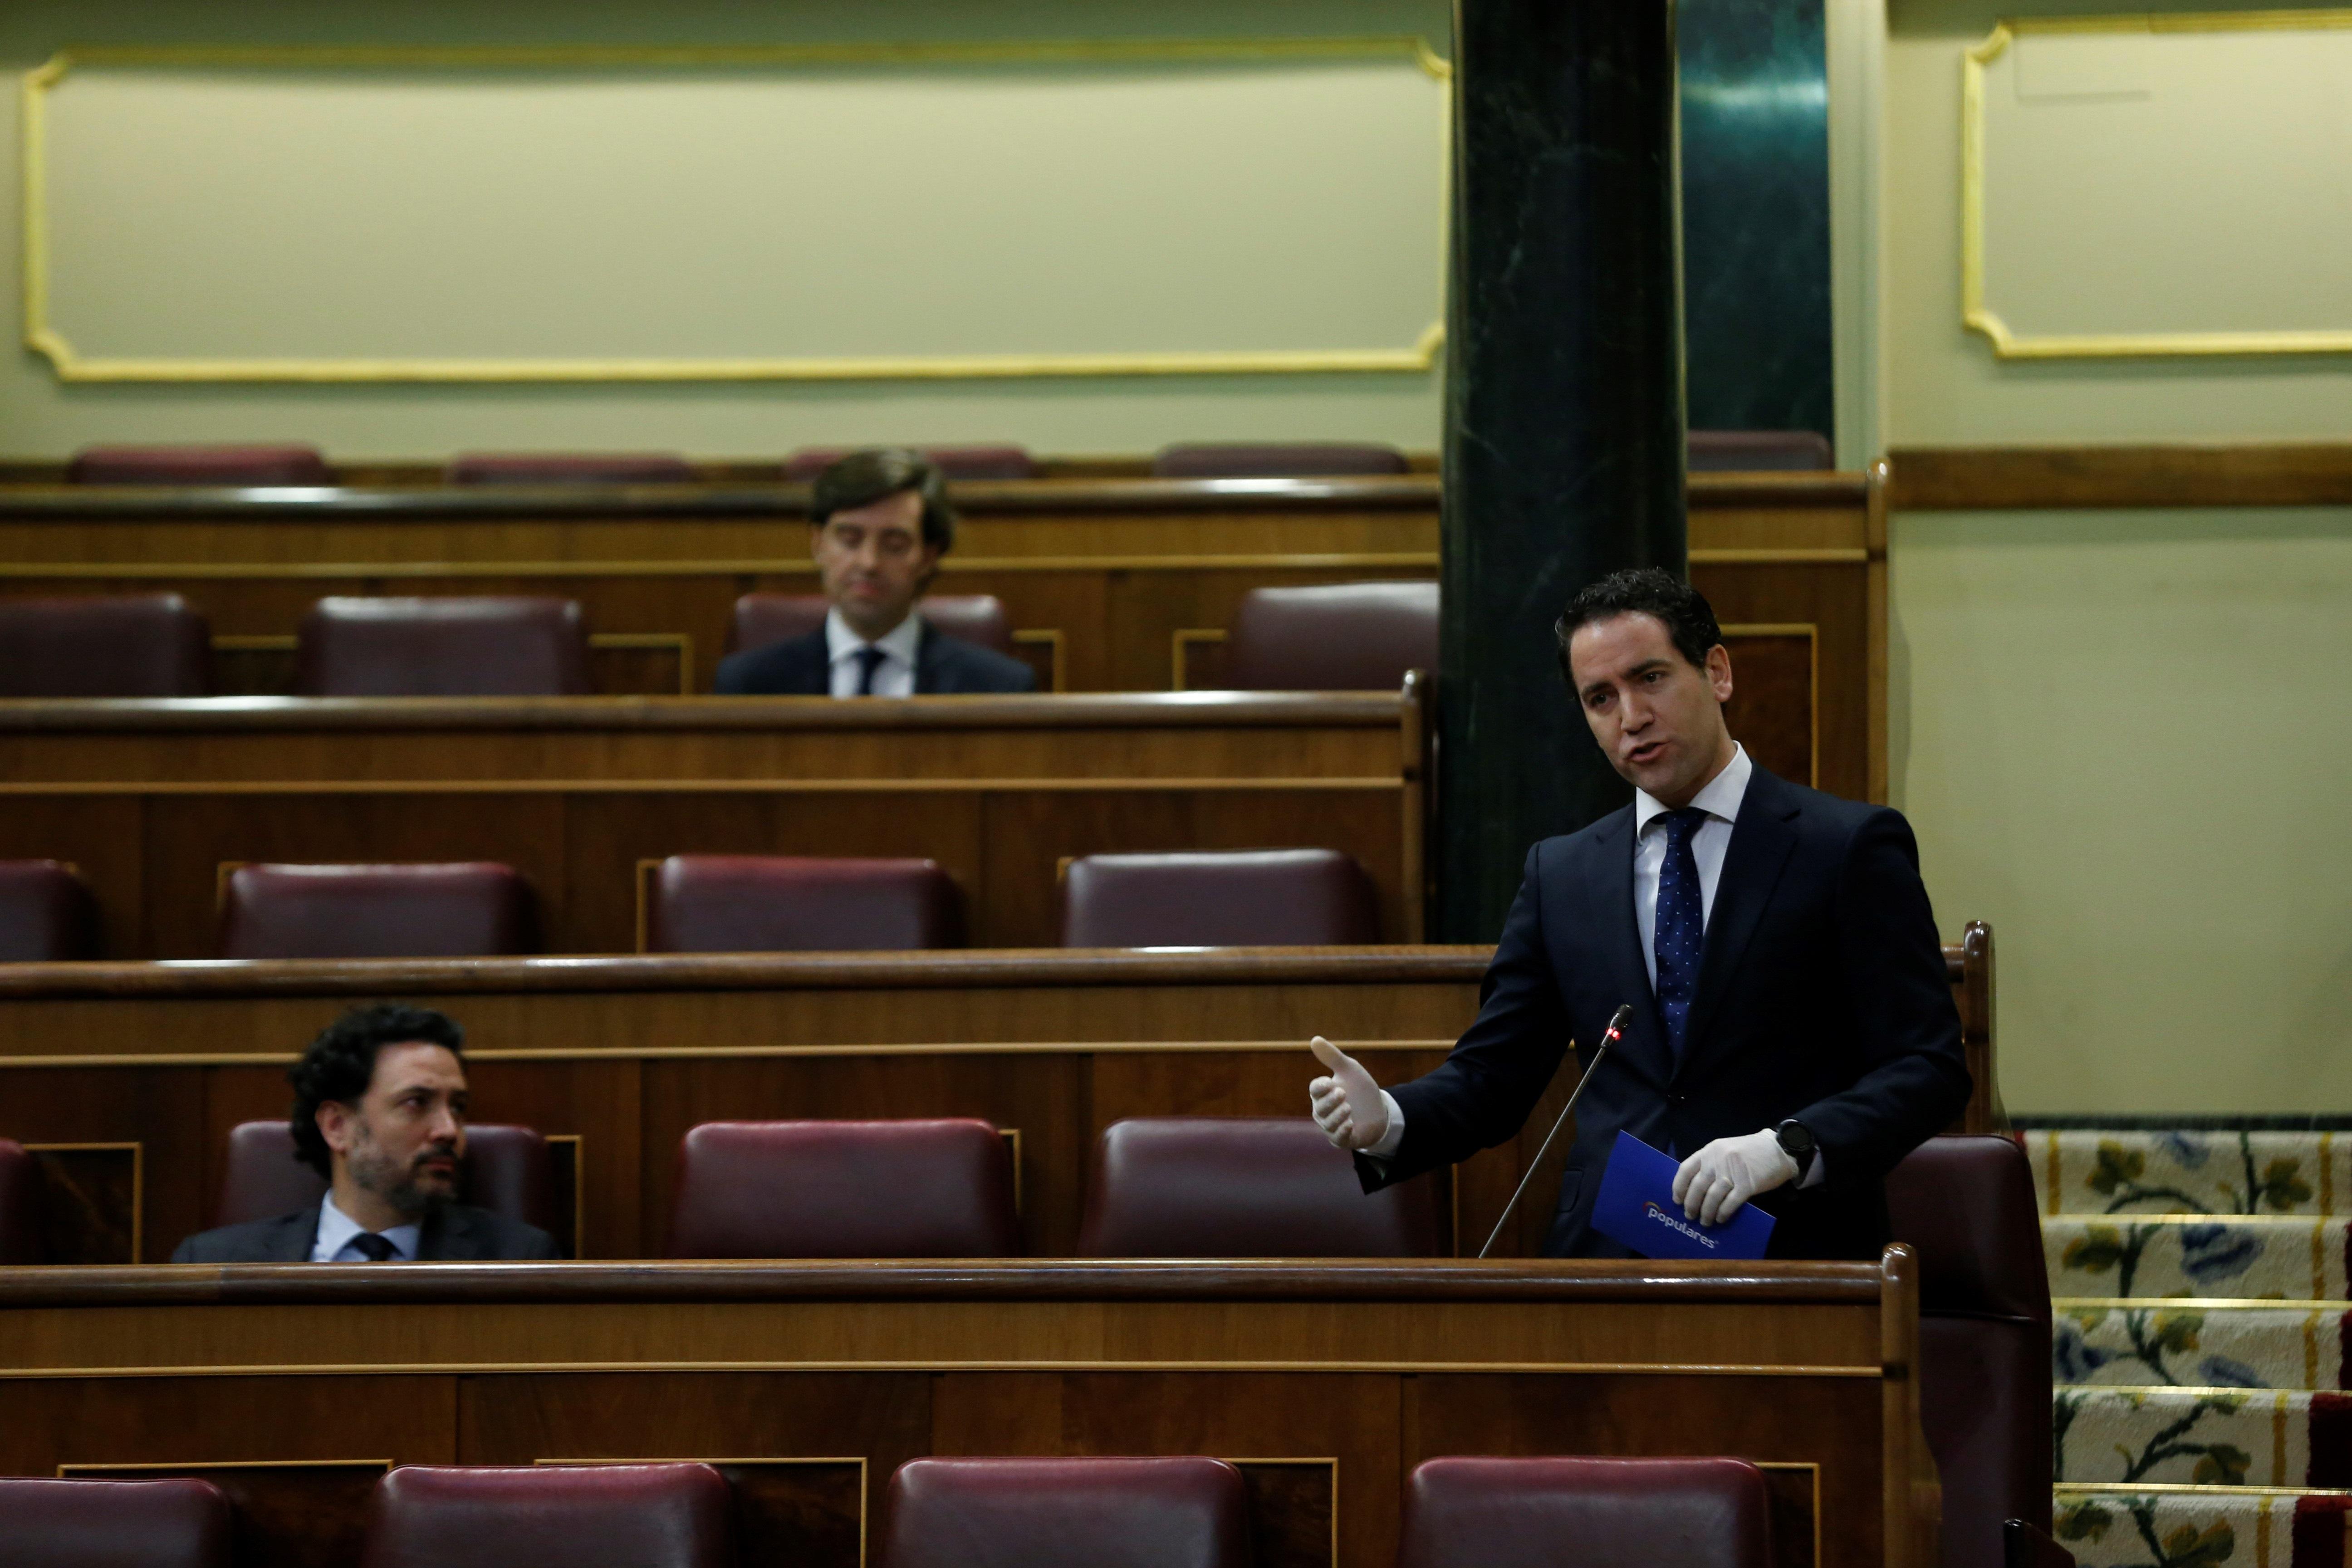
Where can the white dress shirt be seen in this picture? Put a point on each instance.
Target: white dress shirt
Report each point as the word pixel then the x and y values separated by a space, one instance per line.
pixel 894 677
pixel 336 1229
pixel 1720 800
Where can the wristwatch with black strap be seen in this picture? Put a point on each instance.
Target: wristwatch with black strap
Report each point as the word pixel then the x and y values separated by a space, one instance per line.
pixel 1797 1142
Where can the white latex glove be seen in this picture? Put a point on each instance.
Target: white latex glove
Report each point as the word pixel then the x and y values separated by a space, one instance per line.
pixel 1346 1103
pixel 1713 1183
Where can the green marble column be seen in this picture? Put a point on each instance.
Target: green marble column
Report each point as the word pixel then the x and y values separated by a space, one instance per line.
pixel 1564 407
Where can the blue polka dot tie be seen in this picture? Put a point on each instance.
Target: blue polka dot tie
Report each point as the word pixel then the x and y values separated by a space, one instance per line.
pixel 869 659
pixel 1680 927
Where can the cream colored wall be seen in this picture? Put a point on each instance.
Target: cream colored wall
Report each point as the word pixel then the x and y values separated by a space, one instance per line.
pixel 39 418
pixel 2130 747
pixel 1943 386
pixel 2123 738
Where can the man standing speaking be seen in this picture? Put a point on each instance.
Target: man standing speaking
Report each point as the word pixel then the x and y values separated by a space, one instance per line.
pixel 1792 1035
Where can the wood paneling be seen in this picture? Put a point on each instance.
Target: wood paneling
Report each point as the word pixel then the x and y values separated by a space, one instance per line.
pixel 1115 567
pixel 626 1054
pixel 152 799
pixel 2232 474
pixel 1326 1383
pixel 88 1202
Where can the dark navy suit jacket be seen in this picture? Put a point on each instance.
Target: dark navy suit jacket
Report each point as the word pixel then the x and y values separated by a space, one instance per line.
pixel 802 667
pixel 1822 995
pixel 454 1233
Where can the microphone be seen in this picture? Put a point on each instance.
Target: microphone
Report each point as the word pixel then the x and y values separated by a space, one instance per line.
pixel 1609 1037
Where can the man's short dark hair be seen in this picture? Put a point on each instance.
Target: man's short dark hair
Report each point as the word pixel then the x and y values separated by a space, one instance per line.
pixel 861 479
pixel 341 1064
pixel 1645 591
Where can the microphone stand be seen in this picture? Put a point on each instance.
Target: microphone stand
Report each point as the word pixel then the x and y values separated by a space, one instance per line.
pixel 1609 1037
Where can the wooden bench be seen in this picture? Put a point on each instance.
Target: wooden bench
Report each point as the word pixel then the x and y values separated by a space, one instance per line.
pixel 294 1388
pixel 126 1078
pixel 152 799
pixel 1111 583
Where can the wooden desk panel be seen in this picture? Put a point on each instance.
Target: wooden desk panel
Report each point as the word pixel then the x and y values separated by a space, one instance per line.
pixel 1376 1365
pixel 626 1054
pixel 1101 574
pixel 152 798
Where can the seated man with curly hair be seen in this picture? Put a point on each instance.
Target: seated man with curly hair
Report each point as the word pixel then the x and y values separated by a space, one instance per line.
pixel 380 1112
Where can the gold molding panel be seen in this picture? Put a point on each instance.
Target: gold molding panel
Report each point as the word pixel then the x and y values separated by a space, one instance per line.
pixel 50 248
pixel 1978 315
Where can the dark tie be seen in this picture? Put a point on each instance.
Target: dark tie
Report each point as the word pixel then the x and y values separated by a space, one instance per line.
pixel 1680 927
pixel 869 659
pixel 376 1248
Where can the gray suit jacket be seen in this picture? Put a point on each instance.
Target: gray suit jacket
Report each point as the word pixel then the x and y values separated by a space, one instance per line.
pixel 457 1233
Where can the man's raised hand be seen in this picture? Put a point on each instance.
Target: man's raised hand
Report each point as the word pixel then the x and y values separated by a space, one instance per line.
pixel 1346 1102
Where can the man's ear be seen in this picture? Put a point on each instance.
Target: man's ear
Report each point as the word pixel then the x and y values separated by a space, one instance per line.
pixel 335 1121
pixel 1718 671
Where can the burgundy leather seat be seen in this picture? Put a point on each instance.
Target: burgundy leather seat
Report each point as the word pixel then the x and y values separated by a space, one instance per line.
pixel 1735 451
pixel 47 913
pixel 764 618
pixel 1276 460
pixel 176 1523
pixel 507 1171
pixel 461 646
pixel 126 644
pixel 1344 636
pixel 20 1207
pixel 1966 1205
pixel 1183 1513
pixel 569 468
pixel 471 908
pixel 282 465
pixel 1251 897
pixel 551 1516
pixel 780 903
pixel 1586 1513
pixel 844 1189
pixel 953 462
pixel 1244 1186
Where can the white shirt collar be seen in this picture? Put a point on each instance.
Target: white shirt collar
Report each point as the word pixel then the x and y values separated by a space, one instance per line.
pixel 900 642
pixel 336 1229
pixel 1719 799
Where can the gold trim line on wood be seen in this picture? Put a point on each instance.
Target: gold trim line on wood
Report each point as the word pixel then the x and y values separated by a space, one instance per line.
pixel 679 643
pixel 1179 645
pixel 437 1369
pixel 1811 633
pixel 717 1053
pixel 1977 315
pixel 88 1466
pixel 1815 1467
pixel 1051 639
pixel 579 1142
pixel 1174 785
pixel 763 566
pixel 42 337
pixel 1331 1460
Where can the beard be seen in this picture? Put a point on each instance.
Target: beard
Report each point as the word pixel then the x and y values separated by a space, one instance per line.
pixel 404 1185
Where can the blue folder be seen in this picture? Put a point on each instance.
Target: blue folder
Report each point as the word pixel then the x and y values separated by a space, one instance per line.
pixel 1636 1207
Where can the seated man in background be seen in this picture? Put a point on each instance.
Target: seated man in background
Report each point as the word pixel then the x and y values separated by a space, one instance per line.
pixel 879 522
pixel 380 1112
